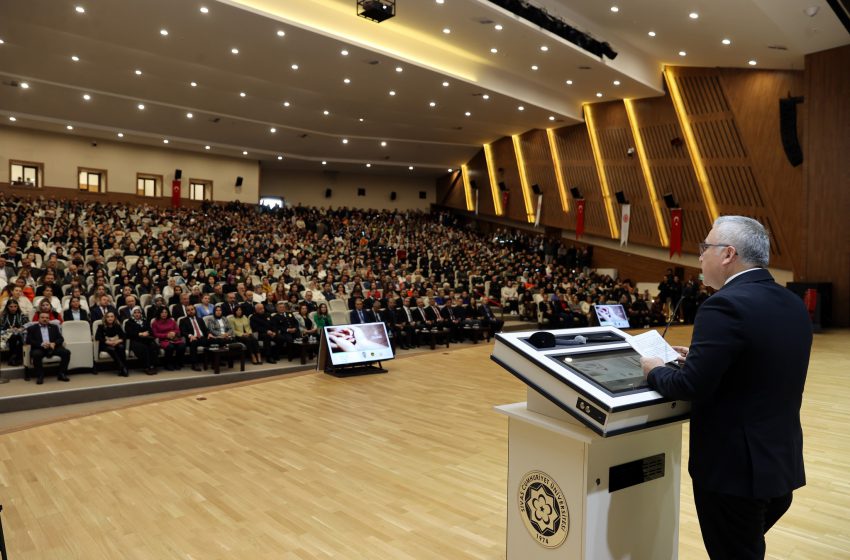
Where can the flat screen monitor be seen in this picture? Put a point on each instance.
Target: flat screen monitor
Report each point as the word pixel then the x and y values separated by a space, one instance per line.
pixel 611 316
pixel 616 371
pixel 358 344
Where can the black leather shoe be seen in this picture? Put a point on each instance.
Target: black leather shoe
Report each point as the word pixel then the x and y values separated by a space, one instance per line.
pixel 40 381
pixel 62 377
pixel 124 373
pixel 196 368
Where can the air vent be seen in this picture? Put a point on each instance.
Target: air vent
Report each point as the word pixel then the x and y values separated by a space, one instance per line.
pixel 584 68
pixel 215 119
pixel 485 21
pixel 373 62
pixel 303 135
pixel 778 47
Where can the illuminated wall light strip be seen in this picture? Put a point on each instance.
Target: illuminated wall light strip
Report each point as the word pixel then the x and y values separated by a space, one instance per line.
pixel 613 221
pixel 559 176
pixel 691 143
pixel 523 179
pixel 494 186
pixel 647 174
pixel 467 189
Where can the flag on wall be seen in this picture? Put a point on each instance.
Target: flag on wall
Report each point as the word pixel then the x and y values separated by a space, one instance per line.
pixel 539 208
pixel 676 231
pixel 625 218
pixel 175 193
pixel 579 218
pixel 505 197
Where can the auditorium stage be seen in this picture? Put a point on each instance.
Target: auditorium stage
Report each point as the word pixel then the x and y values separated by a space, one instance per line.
pixel 405 465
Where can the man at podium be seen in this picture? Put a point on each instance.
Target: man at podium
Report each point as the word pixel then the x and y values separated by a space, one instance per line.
pixel 744 373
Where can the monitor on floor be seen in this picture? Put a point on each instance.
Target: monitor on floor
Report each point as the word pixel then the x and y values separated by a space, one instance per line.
pixel 612 316
pixel 358 344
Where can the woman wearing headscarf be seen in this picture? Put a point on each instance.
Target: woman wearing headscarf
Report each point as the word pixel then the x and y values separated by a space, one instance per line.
pixel 142 341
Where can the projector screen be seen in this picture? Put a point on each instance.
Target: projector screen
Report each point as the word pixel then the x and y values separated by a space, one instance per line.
pixel 358 344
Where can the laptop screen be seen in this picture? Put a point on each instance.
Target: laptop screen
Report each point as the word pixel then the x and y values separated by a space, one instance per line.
pixel 612 316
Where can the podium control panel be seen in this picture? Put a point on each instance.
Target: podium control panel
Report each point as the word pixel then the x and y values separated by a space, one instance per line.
pixel 593 374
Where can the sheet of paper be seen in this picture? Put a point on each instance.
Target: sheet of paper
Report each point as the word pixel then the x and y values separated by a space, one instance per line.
pixel 651 345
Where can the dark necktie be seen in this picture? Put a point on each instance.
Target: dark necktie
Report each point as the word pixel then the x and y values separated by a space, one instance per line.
pixel 361 316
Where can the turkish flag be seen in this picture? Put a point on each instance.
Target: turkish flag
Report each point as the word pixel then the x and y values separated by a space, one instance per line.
pixel 505 197
pixel 175 194
pixel 675 231
pixel 579 218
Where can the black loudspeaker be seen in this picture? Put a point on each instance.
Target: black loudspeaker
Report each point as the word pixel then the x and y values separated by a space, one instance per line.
pixel 328 193
pixel 670 201
pixel 621 197
pixel 503 186
pixel 473 185
pixel 536 188
pixel 178 174
pixel 788 129
pixel 392 195
pixel 423 195
pixel 361 192
pixel 576 193
pixel 239 181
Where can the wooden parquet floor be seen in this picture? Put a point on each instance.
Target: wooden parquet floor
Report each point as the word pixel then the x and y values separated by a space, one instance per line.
pixel 409 465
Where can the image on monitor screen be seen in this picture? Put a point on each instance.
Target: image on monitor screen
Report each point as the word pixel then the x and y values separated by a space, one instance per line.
pixel 615 371
pixel 358 344
pixel 611 316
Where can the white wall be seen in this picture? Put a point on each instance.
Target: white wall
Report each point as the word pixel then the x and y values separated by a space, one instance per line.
pixel 61 154
pixel 308 189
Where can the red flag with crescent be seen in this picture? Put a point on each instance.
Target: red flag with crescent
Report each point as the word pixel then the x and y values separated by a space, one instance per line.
pixel 579 218
pixel 675 231
pixel 175 194
pixel 505 197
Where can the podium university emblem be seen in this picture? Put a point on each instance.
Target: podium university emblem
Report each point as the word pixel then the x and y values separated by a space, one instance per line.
pixel 543 509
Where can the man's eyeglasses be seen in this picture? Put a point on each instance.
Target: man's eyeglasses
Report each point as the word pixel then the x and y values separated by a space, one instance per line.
pixel 703 247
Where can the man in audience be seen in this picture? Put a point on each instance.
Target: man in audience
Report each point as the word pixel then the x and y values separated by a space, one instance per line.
pixel 102 308
pixel 271 340
pixel 45 341
pixel 358 315
pixel 195 333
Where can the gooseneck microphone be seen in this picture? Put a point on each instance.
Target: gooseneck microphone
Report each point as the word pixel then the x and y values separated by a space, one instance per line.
pixel 673 316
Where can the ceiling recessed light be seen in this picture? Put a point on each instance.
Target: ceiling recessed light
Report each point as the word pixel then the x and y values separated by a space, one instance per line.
pixel 120 135
pixel 445 84
pixel 399 69
pixel 683 53
pixel 326 112
pixel 286 103
pixel 485 97
pixel 368 165
pixel 80 9
pixel 383 144
pixel 279 158
pixel 551 117
pixel 535 67
pixel 616 82
pixel 343 52
pixel 752 62
pixel 498 27
pixel 446 30
pixel 494 50
pixel 13 119
pixel 189 115
pixel 294 67
pixel 410 167
pixel 75 58
pixel 86 97
pixel 234 50
pixel 569 82
pixel 392 92
pixel 2 41
pixel 24 85
pixel 204 10
pixel 138 72
pixel 468 114
pixel 651 33
pixel 451 170
pixel 441 1
pixel 520 108
pixel 432 104
pixel 242 94
pixel 272 130
pixel 361 119
pixel 726 41
pixel 165 141
pixel 206 147
pixel 141 106
pixel 324 163
pixel 281 32
pixel 615 9
pixel 346 81
pixel 544 48
pixel 345 140
pixel 598 94
pixel 193 84
pixel 244 153
pixel 693 15
pixel 163 32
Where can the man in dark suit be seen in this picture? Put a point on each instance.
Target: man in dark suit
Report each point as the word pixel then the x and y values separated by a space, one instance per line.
pixel 46 340
pixel 358 315
pixel 744 374
pixel 103 307
pixel 196 334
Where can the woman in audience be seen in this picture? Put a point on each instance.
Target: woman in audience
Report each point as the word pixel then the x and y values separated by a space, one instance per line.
pixel 221 332
pixel 142 341
pixel 12 331
pixel 75 311
pixel 322 317
pixel 164 328
pixel 305 325
pixel 45 307
pixel 111 339
pixel 242 332
pixel 205 308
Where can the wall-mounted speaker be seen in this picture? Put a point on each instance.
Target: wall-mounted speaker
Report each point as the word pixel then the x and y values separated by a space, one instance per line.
pixel 536 188
pixel 392 195
pixel 788 129
pixel 503 186
pixel 328 193
pixel 473 185
pixel 621 197
pixel 178 174
pixel 670 201
pixel 423 195
pixel 361 192
pixel 576 193
pixel 239 181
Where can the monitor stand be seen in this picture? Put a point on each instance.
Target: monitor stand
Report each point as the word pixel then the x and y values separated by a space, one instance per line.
pixel 351 371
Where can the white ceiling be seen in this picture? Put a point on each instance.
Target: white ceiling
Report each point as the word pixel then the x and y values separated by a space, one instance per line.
pixel 113 38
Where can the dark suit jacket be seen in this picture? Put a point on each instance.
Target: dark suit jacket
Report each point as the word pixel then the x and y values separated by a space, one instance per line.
pixel 97 315
pixel 368 317
pixel 67 316
pixel 744 374
pixel 186 328
pixel 34 335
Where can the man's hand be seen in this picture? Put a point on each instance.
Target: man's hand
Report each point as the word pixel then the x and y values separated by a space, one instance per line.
pixel 648 364
pixel 683 352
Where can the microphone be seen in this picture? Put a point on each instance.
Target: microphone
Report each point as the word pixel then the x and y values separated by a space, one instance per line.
pixel 673 316
pixel 543 340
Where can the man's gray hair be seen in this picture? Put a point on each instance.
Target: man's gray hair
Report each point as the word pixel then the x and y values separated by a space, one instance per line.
pixel 748 236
